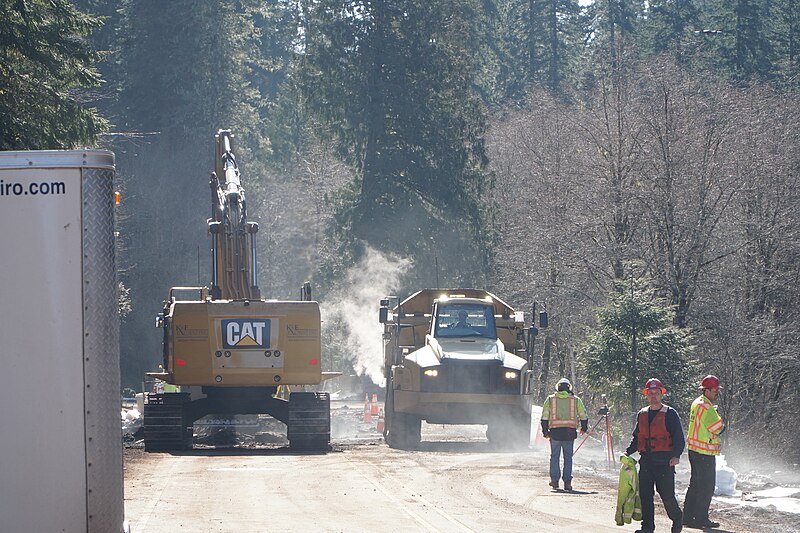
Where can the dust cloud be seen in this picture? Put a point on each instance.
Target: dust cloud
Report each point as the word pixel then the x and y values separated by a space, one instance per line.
pixel 350 316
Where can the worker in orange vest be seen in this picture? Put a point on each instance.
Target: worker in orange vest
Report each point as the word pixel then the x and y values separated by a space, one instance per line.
pixel 658 437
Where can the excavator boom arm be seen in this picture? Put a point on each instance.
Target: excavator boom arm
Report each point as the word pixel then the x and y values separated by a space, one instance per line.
pixel 233 237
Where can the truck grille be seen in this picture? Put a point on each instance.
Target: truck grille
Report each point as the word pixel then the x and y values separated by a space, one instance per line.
pixel 458 375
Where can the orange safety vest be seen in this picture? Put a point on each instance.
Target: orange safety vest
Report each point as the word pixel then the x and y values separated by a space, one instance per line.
pixel 568 414
pixel 653 436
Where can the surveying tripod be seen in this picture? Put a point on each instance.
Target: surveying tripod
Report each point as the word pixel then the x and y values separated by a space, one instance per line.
pixel 607 440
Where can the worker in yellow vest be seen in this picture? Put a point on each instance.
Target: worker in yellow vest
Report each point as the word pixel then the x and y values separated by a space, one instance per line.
pixel 705 428
pixel 561 414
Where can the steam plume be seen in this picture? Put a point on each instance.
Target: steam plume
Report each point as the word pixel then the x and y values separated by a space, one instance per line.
pixel 351 316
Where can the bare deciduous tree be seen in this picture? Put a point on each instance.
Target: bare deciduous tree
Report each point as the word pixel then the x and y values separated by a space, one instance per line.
pixel 686 185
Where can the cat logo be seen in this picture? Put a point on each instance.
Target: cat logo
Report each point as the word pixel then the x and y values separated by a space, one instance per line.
pixel 239 333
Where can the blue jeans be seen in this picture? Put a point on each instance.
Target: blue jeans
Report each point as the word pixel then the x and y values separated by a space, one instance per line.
pixel 556 447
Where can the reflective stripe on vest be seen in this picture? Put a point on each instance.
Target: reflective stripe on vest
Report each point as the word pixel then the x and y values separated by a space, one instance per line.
pixel 572 414
pixel 705 424
pixel 653 436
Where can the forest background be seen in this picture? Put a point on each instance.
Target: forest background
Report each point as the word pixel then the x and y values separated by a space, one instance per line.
pixel 631 165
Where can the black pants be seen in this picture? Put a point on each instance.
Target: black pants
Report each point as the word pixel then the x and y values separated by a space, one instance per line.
pixel 662 479
pixel 701 487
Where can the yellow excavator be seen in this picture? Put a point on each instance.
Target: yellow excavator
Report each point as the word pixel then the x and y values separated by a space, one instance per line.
pixel 227 348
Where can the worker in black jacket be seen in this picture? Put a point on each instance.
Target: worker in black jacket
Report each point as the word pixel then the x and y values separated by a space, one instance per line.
pixel 658 437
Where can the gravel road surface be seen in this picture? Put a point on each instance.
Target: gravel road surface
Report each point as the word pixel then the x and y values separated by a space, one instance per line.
pixel 454 482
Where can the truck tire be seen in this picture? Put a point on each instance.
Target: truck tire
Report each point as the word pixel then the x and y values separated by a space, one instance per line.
pixel 401 430
pixel 520 438
pixel 388 410
pixel 511 432
pixel 309 427
pixel 410 430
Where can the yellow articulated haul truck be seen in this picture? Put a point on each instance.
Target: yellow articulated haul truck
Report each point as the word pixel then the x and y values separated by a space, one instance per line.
pixel 457 356
pixel 230 348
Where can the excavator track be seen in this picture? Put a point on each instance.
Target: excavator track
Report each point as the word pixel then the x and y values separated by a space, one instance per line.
pixel 309 426
pixel 165 423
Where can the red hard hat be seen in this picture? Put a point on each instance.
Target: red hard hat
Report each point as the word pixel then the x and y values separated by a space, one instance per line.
pixel 654 383
pixel 710 382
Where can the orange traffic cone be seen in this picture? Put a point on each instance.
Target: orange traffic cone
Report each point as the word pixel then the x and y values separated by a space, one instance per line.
pixel 367 410
pixel 375 406
pixel 381 423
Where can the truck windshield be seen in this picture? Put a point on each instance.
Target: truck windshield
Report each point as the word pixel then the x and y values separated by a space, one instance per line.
pixel 465 320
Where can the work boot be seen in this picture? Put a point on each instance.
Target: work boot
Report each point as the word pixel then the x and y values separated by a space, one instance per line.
pixel 568 485
pixel 554 484
pixel 708 524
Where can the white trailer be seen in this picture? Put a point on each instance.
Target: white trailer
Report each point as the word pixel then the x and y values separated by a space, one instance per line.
pixel 61 446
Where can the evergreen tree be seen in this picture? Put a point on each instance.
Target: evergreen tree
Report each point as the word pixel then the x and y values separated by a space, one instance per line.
pixel 530 41
pixel 737 33
pixel 635 340
pixel 785 26
pixel 753 48
pixel 186 68
pixel 502 70
pixel 671 26
pixel 46 66
pixel 281 25
pixel 391 81
pixel 614 24
pixel 555 40
pixel 612 40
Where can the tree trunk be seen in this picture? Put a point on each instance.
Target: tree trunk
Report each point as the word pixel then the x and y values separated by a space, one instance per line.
pixel 634 372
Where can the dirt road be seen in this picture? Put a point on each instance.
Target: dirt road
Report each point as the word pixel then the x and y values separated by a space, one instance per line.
pixel 359 487
pixel 452 484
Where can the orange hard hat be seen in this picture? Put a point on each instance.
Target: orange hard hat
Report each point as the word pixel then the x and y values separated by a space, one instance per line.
pixel 653 384
pixel 710 382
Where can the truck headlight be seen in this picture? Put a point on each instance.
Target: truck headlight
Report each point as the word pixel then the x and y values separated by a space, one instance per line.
pixel 511 374
pixel 431 372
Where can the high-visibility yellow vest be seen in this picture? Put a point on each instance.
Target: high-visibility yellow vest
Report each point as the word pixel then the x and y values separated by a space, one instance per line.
pixel 705 426
pixel 563 410
pixel 629 504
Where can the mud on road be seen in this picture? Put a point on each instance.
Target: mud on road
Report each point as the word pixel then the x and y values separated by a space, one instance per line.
pixel 454 482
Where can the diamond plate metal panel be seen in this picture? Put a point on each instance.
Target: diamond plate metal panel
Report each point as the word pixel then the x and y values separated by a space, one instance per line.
pixel 105 510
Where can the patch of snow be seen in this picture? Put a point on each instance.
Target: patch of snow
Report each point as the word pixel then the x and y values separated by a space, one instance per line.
pixel 785 499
